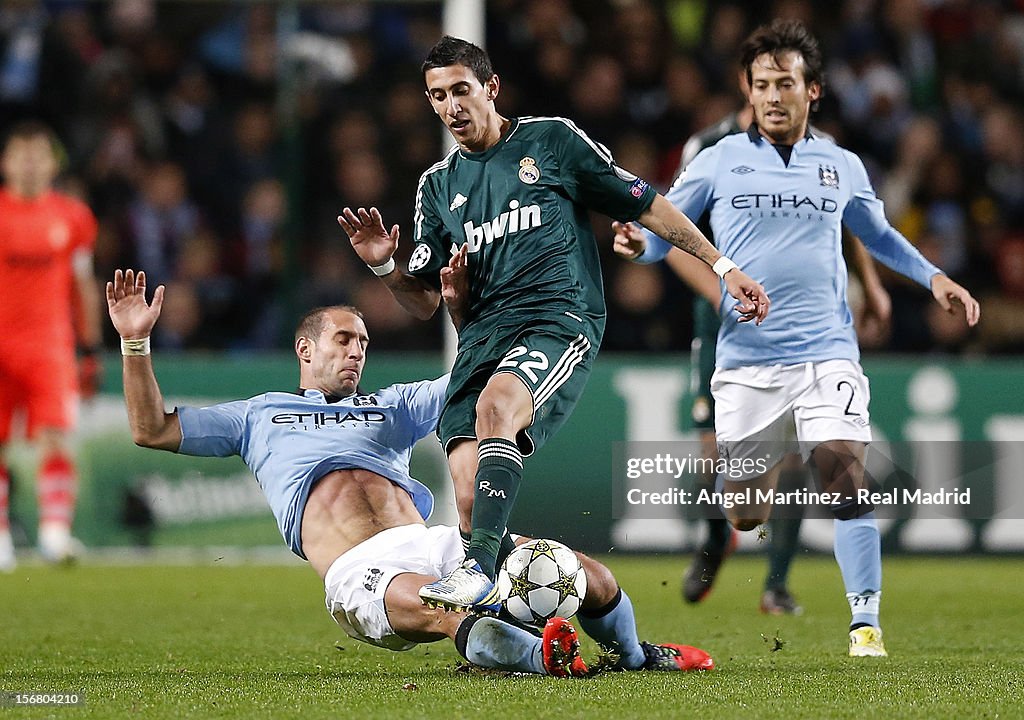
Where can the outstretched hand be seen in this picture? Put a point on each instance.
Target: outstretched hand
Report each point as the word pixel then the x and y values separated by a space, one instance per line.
pixel 946 293
pixel 754 302
pixel 629 240
pixel 365 229
pixel 133 318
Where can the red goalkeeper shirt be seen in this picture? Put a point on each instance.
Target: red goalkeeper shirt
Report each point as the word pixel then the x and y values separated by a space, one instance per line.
pixel 39 239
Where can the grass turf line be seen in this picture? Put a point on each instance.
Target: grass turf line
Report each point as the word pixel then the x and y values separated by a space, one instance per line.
pixel 250 642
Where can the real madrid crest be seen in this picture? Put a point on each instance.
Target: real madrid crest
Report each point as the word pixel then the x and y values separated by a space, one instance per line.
pixel 529 173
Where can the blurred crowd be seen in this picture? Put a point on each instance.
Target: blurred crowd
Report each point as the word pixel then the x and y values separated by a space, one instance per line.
pixel 217 141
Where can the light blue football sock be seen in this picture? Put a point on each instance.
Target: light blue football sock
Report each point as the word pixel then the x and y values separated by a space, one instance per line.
pixel 858 550
pixel 492 643
pixel 614 628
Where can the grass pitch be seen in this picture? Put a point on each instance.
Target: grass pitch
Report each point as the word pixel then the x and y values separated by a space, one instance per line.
pixel 255 642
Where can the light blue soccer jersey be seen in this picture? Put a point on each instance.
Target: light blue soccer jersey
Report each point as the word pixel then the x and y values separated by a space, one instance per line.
pixel 782 224
pixel 290 441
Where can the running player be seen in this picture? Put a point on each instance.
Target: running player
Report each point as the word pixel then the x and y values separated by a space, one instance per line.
pixel 784 534
pixel 778 197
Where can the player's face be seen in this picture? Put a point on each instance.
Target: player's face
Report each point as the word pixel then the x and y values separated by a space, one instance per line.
pixel 28 165
pixel 780 97
pixel 339 354
pixel 465 106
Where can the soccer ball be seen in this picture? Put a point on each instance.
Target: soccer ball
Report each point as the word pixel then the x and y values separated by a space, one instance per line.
pixel 541 579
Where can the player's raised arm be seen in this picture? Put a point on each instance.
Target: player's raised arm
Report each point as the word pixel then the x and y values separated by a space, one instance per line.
pixel 376 247
pixel 134 318
pixel 663 219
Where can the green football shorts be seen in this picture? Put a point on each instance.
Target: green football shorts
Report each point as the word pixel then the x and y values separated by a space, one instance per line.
pixel 553 358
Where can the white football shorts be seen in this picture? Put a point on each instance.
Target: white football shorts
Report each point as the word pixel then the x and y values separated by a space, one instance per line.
pixel 356 582
pixel 763 412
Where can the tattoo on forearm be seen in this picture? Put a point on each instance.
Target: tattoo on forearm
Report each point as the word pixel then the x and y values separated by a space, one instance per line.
pixel 691 242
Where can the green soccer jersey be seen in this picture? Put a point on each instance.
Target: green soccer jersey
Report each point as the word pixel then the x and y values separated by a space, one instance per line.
pixel 521 206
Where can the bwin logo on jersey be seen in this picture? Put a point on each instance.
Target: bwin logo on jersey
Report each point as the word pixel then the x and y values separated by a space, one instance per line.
pixel 829 176
pixel 515 220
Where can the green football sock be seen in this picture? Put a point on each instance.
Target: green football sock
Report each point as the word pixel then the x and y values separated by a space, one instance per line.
pixel 499 472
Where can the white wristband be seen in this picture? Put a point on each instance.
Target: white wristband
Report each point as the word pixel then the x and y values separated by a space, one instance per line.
pixel 136 346
pixel 385 269
pixel 723 265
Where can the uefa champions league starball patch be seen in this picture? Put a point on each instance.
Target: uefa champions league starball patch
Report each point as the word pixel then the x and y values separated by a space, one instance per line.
pixel 419 258
pixel 529 173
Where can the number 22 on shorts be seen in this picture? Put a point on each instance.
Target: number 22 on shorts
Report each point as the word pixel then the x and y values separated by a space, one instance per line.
pixel 534 360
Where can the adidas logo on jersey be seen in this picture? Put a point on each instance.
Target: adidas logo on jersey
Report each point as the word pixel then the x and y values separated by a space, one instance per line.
pixel 516 219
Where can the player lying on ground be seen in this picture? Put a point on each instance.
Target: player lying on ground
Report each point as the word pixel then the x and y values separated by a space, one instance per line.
pixel 333 463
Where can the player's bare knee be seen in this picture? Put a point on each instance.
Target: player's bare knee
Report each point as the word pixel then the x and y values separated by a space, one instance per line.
pixel 496 414
pixel 504 407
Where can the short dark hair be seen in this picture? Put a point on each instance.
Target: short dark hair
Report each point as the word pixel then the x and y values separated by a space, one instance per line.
pixel 454 51
pixel 27 129
pixel 783 36
pixel 312 323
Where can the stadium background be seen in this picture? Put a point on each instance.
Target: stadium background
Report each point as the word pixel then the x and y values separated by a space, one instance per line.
pixel 216 142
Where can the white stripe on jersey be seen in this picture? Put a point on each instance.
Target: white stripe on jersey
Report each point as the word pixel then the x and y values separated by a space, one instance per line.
pixel 598 148
pixel 417 217
pixel 562 370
